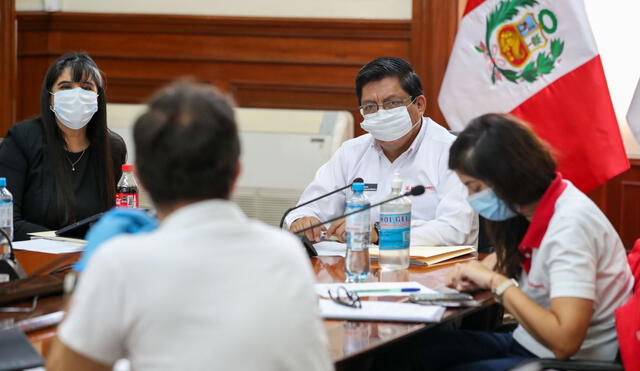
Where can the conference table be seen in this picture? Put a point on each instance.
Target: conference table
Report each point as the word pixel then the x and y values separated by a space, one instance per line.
pixel 351 343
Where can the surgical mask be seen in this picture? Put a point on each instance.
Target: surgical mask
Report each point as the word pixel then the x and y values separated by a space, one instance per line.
pixel 74 107
pixel 388 125
pixel 489 206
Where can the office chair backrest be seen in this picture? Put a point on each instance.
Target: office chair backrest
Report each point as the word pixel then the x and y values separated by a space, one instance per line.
pixel 628 317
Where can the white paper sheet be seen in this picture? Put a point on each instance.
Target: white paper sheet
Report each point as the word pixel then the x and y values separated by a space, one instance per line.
pixel 323 288
pixel 331 248
pixel 382 311
pixel 49 246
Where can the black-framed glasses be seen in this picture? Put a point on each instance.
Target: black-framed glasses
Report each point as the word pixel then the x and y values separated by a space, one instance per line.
pixel 345 297
pixel 34 304
pixel 369 108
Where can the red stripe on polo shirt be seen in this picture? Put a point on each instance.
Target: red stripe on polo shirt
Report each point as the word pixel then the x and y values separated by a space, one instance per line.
pixel 540 221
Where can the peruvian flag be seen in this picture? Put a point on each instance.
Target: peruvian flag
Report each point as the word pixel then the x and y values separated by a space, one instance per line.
pixel 537 60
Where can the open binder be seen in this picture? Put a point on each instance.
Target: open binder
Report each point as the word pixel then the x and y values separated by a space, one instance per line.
pixel 432 255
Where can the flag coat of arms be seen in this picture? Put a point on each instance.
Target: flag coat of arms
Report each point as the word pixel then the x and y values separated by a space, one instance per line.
pixel 537 60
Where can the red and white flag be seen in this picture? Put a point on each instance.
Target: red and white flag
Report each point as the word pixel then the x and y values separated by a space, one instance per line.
pixel 537 60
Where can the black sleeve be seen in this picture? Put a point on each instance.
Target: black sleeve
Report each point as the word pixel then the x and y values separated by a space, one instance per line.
pixel 14 166
pixel 118 154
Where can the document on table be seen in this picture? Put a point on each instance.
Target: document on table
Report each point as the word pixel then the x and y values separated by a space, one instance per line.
pixel 432 255
pixel 428 255
pixel 331 248
pixel 51 235
pixel 322 289
pixel 382 311
pixel 49 246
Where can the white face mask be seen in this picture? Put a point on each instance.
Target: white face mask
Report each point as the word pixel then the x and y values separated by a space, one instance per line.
pixel 388 125
pixel 74 107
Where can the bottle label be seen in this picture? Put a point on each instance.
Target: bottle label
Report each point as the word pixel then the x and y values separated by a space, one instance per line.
pixel 128 200
pixel 395 231
pixel 357 228
pixel 6 213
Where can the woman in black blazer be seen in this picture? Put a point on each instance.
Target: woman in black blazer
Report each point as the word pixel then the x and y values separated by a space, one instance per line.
pixel 63 165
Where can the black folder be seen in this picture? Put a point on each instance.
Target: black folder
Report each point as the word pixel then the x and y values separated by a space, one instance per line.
pixel 16 352
pixel 80 228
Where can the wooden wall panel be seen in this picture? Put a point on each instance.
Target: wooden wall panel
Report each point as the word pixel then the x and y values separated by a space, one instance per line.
pixel 8 65
pixel 621 204
pixel 630 215
pixel 265 62
pixel 435 23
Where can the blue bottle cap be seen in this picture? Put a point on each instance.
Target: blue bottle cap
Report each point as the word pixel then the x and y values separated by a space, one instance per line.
pixel 3 182
pixel 358 187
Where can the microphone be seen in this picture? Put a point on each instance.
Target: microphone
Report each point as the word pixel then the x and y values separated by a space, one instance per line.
pixel 415 191
pixel 10 265
pixel 356 180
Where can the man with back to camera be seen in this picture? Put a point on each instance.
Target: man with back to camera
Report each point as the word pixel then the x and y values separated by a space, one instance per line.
pixel 400 140
pixel 197 292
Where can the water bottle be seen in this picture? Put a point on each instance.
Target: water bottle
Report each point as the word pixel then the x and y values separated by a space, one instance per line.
pixel 127 193
pixel 395 229
pixel 6 219
pixel 358 231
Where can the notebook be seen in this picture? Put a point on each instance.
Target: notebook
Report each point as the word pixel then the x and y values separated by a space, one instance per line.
pixel 382 311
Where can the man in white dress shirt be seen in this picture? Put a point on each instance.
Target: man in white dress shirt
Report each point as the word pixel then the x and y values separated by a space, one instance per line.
pixel 399 140
pixel 208 289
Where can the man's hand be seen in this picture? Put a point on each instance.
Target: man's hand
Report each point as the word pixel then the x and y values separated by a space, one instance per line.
pixel 338 230
pixel 307 221
pixel 115 222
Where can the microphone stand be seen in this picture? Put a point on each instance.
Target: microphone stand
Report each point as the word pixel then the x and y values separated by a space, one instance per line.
pixel 10 265
pixel 415 191
pixel 308 245
pixel 356 180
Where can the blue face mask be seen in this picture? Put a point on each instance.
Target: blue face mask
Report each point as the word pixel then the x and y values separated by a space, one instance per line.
pixel 489 206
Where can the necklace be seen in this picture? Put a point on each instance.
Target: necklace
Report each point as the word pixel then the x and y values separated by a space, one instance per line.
pixel 73 164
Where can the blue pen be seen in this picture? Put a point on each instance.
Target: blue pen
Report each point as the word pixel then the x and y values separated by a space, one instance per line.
pixel 390 291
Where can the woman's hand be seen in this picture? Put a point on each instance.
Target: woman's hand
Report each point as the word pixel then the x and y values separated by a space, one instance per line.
pixel 472 276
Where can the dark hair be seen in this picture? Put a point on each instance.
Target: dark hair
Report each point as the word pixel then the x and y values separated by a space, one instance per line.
pixel 382 67
pixel 187 145
pixel 82 68
pixel 504 153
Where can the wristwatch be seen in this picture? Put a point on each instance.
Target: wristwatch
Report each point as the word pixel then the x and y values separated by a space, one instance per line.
pixel 499 291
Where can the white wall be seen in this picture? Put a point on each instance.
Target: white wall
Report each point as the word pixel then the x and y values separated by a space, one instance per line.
pixel 369 9
pixel 613 24
pixel 29 5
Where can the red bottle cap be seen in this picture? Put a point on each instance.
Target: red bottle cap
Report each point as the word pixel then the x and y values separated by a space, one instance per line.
pixel 127 167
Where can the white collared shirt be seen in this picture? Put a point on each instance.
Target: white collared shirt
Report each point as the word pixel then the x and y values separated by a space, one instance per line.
pixel 208 290
pixel 580 256
pixel 441 216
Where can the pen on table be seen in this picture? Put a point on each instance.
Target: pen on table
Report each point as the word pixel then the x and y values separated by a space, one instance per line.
pixel 390 291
